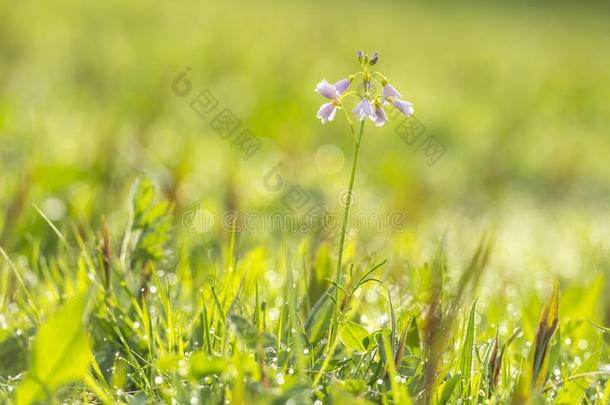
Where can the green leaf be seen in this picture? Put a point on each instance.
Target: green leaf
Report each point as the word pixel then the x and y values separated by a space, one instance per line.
pixel 201 365
pixel 549 319
pixel 13 355
pixel 467 349
pixel 354 336
pixel 60 353
pixel 574 390
pixel 249 334
pixel 151 228
pixel 318 320
pixel 447 389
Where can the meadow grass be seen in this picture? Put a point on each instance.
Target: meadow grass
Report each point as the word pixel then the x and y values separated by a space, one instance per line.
pixel 104 324
pixel 491 289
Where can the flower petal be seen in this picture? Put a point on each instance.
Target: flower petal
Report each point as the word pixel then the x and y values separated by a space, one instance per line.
pixel 364 109
pixel 341 86
pixel 380 116
pixel 326 89
pixel 389 91
pixel 404 107
pixel 327 112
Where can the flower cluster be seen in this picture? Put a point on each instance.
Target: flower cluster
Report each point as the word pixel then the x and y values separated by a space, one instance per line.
pixel 374 94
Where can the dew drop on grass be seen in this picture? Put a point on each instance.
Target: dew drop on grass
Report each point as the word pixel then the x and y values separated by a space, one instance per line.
pixel 194 400
pixel 158 380
pixel 583 344
pixel 13 308
pixel 306 351
pixel 379 381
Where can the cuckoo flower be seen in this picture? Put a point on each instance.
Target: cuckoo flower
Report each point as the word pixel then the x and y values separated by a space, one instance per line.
pixel 380 116
pixel 372 94
pixel 392 96
pixel 333 92
pixel 364 109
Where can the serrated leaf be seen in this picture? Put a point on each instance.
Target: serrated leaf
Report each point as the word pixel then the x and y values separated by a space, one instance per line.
pixel 151 223
pixel 60 353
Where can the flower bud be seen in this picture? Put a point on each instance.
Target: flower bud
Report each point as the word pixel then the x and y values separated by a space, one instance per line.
pixel 374 58
pixel 360 55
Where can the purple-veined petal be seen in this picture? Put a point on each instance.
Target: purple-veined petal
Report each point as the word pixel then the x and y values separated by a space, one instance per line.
pixel 389 91
pixel 380 116
pixel 341 86
pixel 404 107
pixel 364 109
pixel 326 89
pixel 327 112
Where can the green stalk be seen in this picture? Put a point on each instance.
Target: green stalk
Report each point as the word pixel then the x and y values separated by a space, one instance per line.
pixel 343 228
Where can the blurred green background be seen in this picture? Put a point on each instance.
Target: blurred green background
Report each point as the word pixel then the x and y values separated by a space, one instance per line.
pixel 517 94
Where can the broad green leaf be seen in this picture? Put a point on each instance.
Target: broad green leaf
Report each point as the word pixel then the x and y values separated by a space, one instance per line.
pixel 574 390
pixel 318 320
pixel 447 388
pixel 354 336
pixel 201 365
pixel 13 355
pixel 338 393
pixel 60 353
pixel 378 337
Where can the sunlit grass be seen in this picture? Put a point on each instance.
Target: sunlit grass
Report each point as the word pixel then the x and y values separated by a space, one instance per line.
pixel 110 293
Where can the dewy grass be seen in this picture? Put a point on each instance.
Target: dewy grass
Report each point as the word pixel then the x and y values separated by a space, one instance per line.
pixel 100 310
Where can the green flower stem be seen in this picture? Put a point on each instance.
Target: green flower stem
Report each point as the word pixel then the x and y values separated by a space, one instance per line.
pixel 348 203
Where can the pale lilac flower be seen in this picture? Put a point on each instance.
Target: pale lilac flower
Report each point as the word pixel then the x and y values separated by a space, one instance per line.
pixel 363 109
pixel 333 92
pixel 327 112
pixel 341 86
pixel 389 91
pixel 404 107
pixel 392 96
pixel 380 116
